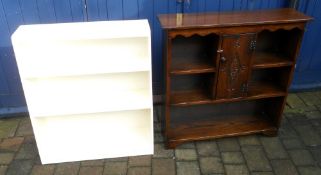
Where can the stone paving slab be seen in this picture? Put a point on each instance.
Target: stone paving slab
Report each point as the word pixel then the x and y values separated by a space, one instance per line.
pixel 295 151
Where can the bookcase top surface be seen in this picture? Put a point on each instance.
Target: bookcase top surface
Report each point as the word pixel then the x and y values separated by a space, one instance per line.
pixel 237 18
pixel 82 30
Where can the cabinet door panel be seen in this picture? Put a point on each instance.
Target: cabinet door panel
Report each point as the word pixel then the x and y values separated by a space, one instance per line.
pixel 234 65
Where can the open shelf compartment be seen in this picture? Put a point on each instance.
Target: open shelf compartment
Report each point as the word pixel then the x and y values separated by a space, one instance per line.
pixel 88 94
pixel 276 48
pixel 94 136
pixel 269 82
pixel 194 54
pixel 192 89
pixel 83 57
pixel 224 119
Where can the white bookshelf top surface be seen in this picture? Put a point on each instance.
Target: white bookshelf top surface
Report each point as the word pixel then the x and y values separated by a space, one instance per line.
pixel 82 30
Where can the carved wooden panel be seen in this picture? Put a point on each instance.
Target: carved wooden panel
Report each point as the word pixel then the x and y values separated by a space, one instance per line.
pixel 234 65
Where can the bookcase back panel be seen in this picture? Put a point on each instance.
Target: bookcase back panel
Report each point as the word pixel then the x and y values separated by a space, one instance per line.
pixel 280 42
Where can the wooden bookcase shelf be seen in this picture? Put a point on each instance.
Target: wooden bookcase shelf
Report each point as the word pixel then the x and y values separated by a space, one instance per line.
pixel 194 54
pixel 263 60
pixel 88 88
pixel 228 75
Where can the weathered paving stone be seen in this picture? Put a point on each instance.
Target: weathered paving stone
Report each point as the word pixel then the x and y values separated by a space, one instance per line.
pixel 294 101
pixel 8 127
pixel 11 144
pixel 157 127
pixel 3 169
pixel 119 159
pixel 185 154
pixel 187 168
pixel 6 158
pixel 93 163
pixel 70 168
pixel 256 159
pixel 262 173
pixel 207 148
pixel 29 139
pixel 289 110
pixel 273 148
pixel 139 171
pixel 43 170
pixel 318 94
pixel 37 160
pixel 310 170
pixel 316 153
pixel 309 98
pixel 91 170
pixel 115 168
pixel 25 127
pixel 236 169
pixel 309 136
pixel 284 167
pixel 160 151
pixel 158 137
pixel 163 166
pixel 211 165
pixel 249 140
pixel 301 110
pixel 301 157
pixel 287 131
pixel 313 114
pixel 228 144
pixel 316 123
pixel 285 120
pixel 18 167
pixel 292 143
pixel 232 157
pixel 298 120
pixel 140 161
pixel 27 151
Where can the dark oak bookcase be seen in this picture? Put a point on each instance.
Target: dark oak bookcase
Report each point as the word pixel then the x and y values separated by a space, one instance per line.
pixel 228 74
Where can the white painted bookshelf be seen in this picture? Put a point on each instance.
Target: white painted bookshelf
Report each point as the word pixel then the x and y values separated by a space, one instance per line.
pixel 88 88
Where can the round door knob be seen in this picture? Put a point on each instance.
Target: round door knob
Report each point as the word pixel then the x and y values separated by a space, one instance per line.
pixel 223 59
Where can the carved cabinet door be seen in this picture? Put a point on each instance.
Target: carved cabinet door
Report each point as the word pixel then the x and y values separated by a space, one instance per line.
pixel 234 65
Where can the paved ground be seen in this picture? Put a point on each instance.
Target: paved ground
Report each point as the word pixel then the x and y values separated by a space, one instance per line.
pixel 297 150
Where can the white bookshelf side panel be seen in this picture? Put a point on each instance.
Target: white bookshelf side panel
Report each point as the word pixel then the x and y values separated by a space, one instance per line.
pixel 94 136
pixel 82 57
pixel 87 94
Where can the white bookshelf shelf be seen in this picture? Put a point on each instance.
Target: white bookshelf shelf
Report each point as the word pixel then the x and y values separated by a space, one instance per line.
pixel 84 57
pixel 88 88
pixel 88 94
pixel 94 136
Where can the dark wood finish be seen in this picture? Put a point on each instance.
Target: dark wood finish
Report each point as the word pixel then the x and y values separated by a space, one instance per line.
pixel 257 90
pixel 228 74
pixel 269 60
pixel 220 120
pixel 229 19
pixel 195 54
pixel 234 65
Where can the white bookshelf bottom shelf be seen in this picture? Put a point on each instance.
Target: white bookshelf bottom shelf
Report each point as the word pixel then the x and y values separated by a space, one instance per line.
pixel 95 136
